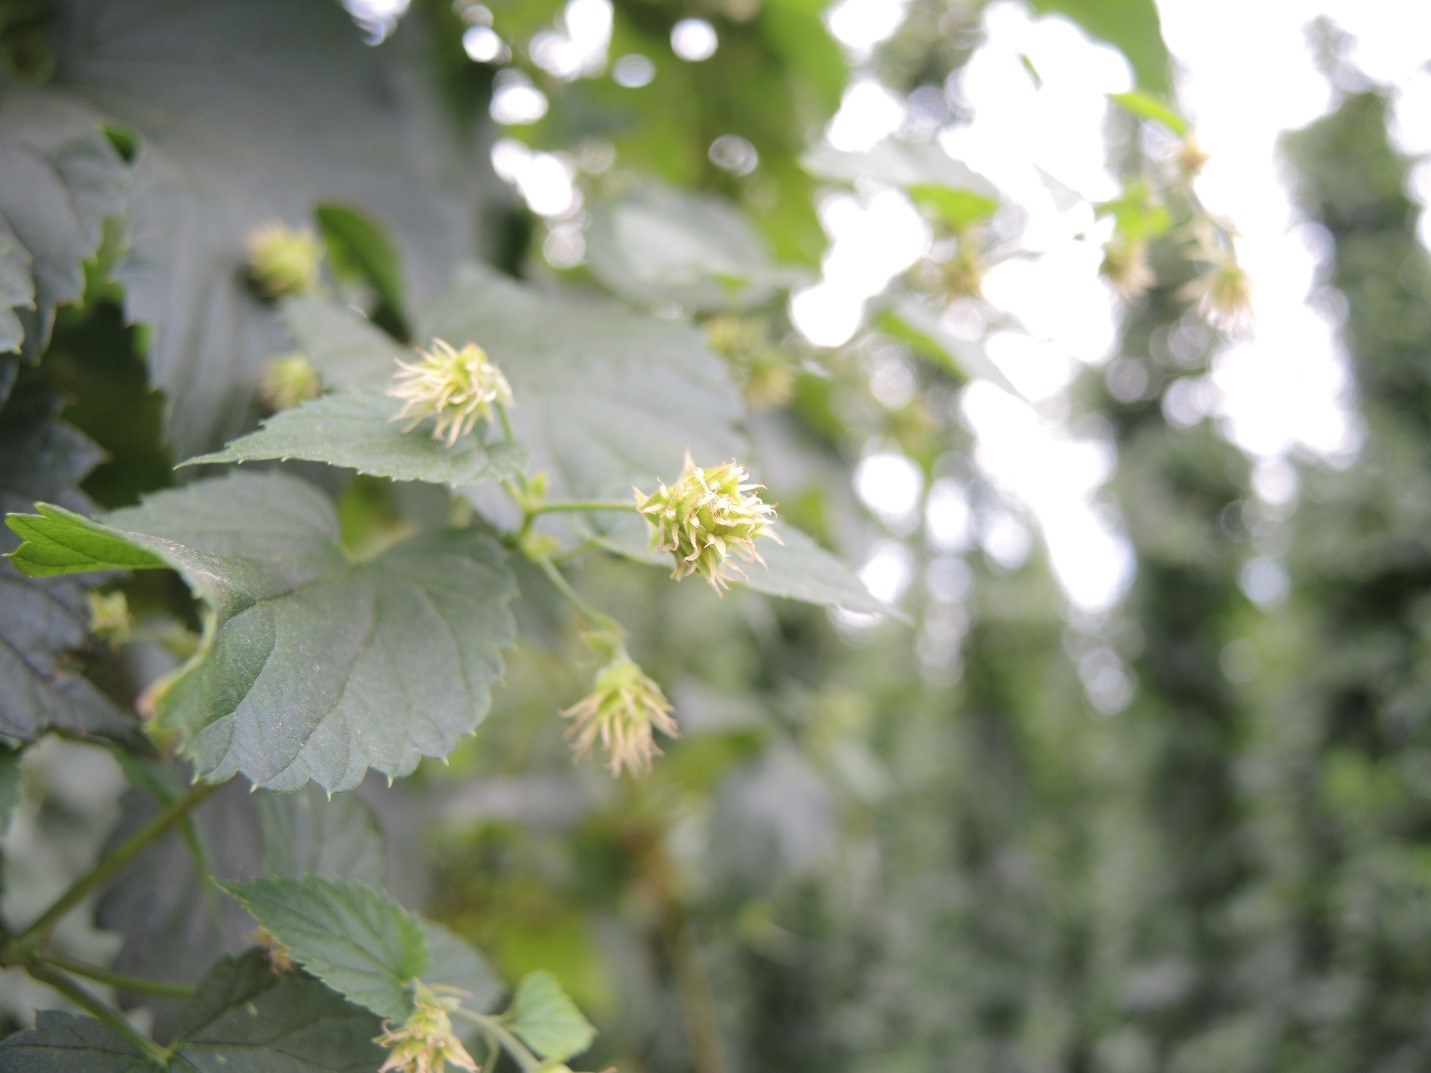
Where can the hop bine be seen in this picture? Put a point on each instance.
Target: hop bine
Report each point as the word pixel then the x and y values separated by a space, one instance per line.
pixel 455 386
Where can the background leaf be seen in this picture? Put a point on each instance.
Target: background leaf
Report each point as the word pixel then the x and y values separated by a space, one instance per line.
pixel 64 1043
pixel 1131 26
pixel 314 667
pixel 454 963
pixel 309 833
pixel 355 939
pixel 605 398
pixel 546 1020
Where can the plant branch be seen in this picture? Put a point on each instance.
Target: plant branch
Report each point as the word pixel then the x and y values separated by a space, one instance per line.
pixel 559 581
pixel 497 1032
pixel 105 869
pixel 577 505
pixel 98 1010
pixel 99 974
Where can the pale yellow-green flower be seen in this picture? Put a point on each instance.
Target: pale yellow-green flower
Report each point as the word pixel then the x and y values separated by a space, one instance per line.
pixel 287 380
pixel 1125 266
pixel 283 260
pixel 707 519
pixel 425 1042
pixel 1224 296
pixel 622 710
pixel 455 386
pixel 280 959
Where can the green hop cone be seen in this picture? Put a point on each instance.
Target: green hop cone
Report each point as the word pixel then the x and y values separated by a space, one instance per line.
pixel 288 380
pixel 707 519
pixel 425 1042
pixel 455 386
pixel 622 710
pixel 282 260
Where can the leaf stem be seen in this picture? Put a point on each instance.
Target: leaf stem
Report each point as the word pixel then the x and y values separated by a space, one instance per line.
pixel 98 1010
pixel 496 1031
pixel 138 984
pixel 560 583
pixel 575 505
pixel 105 869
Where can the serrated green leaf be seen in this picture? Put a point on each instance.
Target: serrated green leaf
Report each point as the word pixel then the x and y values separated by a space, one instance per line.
pixel 64 1043
pixel 454 963
pixel 357 940
pixel 355 429
pixel 905 318
pixel 44 622
pixel 315 667
pixel 546 1020
pixel 605 398
pixel 899 163
pixel 799 569
pixel 658 246
pixel 59 541
pixel 60 179
pixel 233 132
pixel 1146 106
pixel 309 833
pixel 244 1019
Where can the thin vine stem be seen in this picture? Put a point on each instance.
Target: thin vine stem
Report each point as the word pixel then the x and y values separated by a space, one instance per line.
pixel 559 581
pixel 573 506
pixel 100 1011
pixel 138 984
pixel 106 868
pixel 495 1030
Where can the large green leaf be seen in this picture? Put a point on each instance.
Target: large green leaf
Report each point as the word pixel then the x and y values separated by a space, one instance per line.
pixel 356 429
pixel 64 1043
pixel 44 622
pixel 313 667
pixel 546 1020
pixel 59 180
pixel 658 246
pixel 604 397
pixel 244 1019
pixel 345 346
pixel 355 939
pixel 245 111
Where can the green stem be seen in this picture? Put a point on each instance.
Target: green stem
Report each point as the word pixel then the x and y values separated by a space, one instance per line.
pixel 560 583
pixel 99 974
pixel 575 505
pixel 98 1010
pixel 105 869
pixel 495 1030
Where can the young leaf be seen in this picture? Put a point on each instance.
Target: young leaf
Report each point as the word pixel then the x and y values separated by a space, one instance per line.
pixel 355 429
pixel 244 1018
pixel 64 1043
pixel 604 397
pixel 313 667
pixel 355 939
pixel 1146 106
pixel 546 1020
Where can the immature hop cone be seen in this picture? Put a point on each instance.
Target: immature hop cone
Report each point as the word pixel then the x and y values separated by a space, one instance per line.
pixel 706 518
pixel 621 711
pixel 282 260
pixel 287 380
pixel 455 386
pixel 425 1042
pixel 1224 296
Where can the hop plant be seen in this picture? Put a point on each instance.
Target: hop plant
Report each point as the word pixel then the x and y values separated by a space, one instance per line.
pixel 283 260
pixel 109 617
pixel 288 380
pixel 622 710
pixel 1125 266
pixel 455 386
pixel 425 1042
pixel 1224 296
pixel 708 517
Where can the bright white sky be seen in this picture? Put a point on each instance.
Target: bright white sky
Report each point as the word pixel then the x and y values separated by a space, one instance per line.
pixel 1248 75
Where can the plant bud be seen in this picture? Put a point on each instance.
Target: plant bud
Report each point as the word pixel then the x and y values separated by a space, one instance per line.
pixel 283 261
